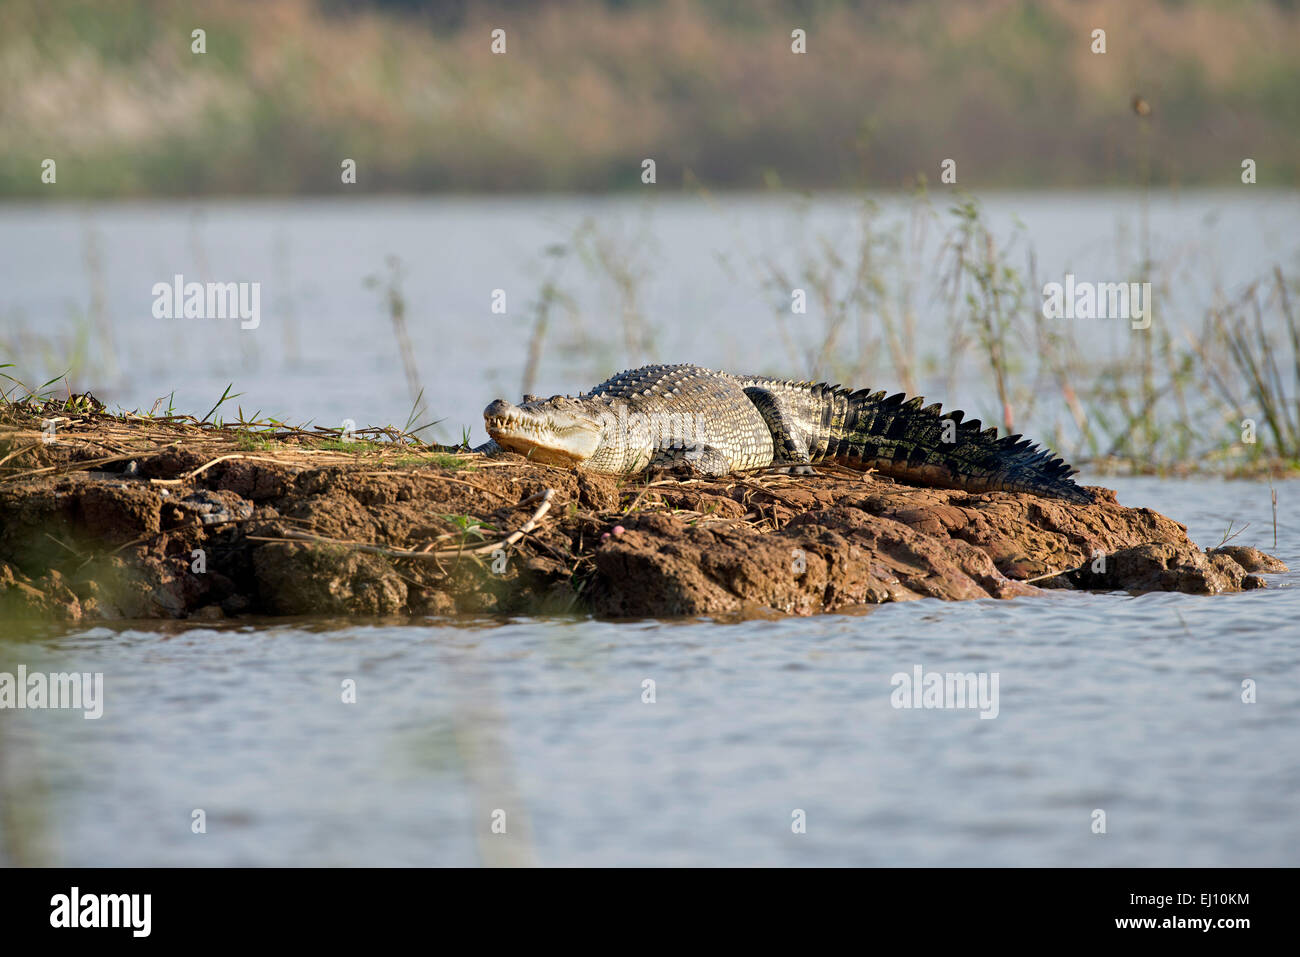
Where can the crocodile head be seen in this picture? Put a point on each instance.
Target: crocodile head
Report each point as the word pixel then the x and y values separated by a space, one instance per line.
pixel 554 431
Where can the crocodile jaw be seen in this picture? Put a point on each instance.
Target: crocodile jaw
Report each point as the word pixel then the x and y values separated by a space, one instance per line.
pixel 554 432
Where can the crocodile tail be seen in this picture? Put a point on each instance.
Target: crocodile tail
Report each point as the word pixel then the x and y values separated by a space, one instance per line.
pixel 900 438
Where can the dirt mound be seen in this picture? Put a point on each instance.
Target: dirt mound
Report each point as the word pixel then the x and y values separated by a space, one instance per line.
pixel 166 529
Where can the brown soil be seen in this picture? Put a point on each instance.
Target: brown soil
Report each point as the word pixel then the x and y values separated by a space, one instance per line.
pixel 136 518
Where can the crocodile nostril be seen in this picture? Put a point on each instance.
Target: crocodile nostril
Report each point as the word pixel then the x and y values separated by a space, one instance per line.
pixel 499 409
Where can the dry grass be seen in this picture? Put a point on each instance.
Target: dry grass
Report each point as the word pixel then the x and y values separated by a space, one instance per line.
pixel 1160 402
pixel 86 437
pixel 588 89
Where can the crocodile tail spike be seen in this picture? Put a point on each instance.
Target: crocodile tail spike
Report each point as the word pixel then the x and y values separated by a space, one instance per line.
pixel 908 440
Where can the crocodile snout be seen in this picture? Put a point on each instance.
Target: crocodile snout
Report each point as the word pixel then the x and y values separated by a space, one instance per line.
pixel 500 409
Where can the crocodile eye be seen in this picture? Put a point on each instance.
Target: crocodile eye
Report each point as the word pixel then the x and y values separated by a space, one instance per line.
pixel 529 397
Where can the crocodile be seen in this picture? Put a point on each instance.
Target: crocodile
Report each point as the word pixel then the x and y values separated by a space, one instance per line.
pixel 709 423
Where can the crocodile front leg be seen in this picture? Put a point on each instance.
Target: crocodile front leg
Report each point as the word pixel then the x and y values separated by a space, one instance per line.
pixel 705 461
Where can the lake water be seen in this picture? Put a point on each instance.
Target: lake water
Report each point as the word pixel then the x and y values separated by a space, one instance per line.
pixel 1128 705
pixel 79 280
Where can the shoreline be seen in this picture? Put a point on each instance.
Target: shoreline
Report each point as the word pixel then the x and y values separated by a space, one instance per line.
pixel 130 517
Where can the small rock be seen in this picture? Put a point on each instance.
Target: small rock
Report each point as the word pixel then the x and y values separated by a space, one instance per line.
pixel 1250 559
pixel 216 508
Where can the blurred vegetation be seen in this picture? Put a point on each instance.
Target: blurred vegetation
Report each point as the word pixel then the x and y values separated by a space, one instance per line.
pixel 586 90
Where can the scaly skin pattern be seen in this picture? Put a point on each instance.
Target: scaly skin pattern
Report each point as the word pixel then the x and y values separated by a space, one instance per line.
pixel 714 423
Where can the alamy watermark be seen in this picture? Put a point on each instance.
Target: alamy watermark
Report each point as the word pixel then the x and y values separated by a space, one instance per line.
pixel 937 689
pixel 656 430
pixel 1098 300
pixel 128 911
pixel 80 690
pixel 179 299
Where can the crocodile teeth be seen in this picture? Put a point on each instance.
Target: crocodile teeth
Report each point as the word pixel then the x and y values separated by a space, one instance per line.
pixel 513 424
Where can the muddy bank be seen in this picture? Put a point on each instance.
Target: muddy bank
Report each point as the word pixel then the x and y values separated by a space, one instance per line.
pixel 177 525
